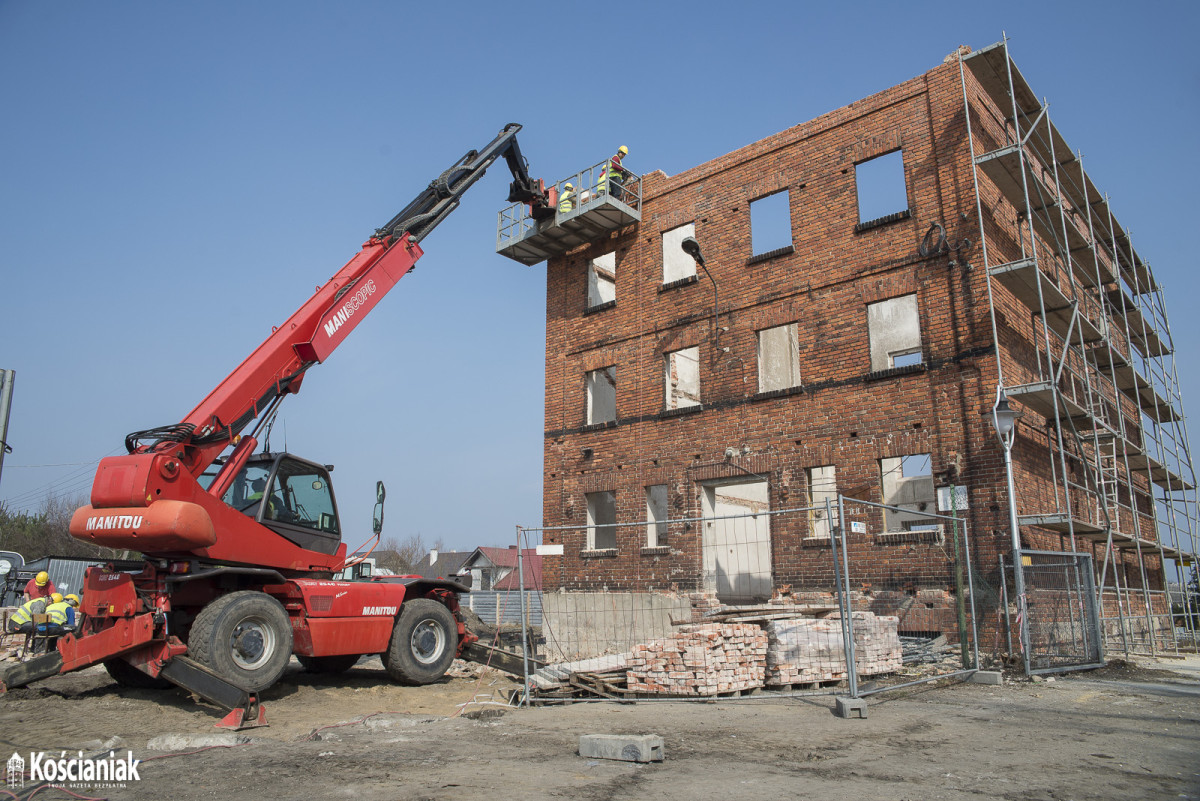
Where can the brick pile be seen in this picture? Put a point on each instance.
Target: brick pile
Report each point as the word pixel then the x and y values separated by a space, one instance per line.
pixel 706 659
pixel 803 650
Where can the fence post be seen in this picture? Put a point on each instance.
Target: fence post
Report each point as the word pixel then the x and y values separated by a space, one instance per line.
pixel 524 621
pixel 960 601
pixel 841 574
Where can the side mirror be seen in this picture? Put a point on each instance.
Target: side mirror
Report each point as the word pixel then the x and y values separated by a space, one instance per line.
pixel 377 518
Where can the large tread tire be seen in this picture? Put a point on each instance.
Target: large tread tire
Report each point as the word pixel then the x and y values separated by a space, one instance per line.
pixel 127 675
pixel 423 644
pixel 245 637
pixel 328 665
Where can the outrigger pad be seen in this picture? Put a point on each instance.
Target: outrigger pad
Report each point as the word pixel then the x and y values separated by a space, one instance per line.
pixel 40 667
pixel 251 716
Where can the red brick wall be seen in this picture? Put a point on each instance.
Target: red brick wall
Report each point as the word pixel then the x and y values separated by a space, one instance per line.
pixel 841 416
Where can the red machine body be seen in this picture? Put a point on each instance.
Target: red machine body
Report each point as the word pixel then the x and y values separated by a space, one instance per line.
pixel 241 548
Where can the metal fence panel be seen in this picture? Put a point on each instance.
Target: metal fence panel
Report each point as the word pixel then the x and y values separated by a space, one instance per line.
pixel 777 603
pixel 1060 623
pixel 504 607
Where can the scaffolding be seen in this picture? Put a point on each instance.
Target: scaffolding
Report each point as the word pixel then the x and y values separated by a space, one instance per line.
pixel 1095 359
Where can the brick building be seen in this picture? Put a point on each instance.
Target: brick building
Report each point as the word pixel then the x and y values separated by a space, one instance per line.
pixel 870 278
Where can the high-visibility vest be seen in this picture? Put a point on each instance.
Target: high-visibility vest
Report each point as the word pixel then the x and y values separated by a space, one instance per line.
pixel 30 608
pixel 566 202
pixel 58 612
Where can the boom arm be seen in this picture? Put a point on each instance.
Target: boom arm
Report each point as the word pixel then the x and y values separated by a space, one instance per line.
pixel 278 365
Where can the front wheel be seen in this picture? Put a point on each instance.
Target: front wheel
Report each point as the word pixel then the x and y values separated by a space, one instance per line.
pixel 423 644
pixel 245 637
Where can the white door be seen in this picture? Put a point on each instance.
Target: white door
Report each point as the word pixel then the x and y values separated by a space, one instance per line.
pixel 736 545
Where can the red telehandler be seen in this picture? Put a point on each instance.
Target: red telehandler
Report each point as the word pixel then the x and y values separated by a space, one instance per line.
pixel 241 548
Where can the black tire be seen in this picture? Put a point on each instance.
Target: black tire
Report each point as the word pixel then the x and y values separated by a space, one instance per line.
pixel 245 637
pixel 127 675
pixel 328 665
pixel 424 642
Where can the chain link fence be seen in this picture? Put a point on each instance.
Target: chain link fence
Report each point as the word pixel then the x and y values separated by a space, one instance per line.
pixel 840 598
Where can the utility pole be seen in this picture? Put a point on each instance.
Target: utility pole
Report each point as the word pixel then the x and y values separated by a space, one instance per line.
pixel 7 377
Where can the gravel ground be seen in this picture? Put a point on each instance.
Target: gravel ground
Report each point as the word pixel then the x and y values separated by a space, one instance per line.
pixel 1130 731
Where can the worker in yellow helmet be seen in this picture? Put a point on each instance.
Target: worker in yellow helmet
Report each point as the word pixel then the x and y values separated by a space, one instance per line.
pixel 566 201
pixel 62 615
pixel 612 177
pixel 40 586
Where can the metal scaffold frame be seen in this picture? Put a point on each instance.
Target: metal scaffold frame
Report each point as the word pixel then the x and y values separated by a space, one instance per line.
pixel 1100 367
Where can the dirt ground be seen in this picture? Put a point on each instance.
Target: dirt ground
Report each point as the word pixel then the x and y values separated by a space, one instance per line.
pixel 1125 732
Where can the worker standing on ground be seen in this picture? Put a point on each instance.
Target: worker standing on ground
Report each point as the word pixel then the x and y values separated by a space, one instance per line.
pixel 566 201
pixel 21 621
pixel 40 586
pixel 612 178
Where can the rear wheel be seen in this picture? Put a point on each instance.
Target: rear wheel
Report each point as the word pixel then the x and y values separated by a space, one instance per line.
pixel 245 637
pixel 328 664
pixel 127 675
pixel 424 642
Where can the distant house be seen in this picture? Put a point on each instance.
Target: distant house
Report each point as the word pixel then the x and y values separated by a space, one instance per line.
pixel 442 564
pixel 496 569
pixel 488 568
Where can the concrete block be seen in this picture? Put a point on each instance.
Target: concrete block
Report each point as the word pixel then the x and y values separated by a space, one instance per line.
pixel 625 747
pixel 846 707
pixel 987 677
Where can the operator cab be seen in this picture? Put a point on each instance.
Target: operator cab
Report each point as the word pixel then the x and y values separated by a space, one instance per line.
pixel 291 496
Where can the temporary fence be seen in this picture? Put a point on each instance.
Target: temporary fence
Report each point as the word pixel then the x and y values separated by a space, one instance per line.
pixel 747 602
pixel 1057 623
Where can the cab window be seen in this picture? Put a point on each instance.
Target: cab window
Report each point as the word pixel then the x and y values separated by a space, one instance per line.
pixel 301 496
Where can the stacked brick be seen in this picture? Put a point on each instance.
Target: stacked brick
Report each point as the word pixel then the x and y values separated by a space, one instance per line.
pixel 803 650
pixel 703 660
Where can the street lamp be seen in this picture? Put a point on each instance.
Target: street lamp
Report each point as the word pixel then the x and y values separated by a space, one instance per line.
pixel 1004 420
pixel 692 248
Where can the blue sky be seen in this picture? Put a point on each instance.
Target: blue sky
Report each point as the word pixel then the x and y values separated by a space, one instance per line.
pixel 178 177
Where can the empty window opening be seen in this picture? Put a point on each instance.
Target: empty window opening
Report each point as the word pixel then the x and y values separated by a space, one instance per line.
pixel 602 395
pixel 683 378
pixel 676 263
pixel 601 521
pixel 602 279
pixel 895 332
pixel 770 223
pixel 881 189
pixel 822 487
pixel 778 358
pixel 656 515
pixel 916 465
pixel 736 541
pixel 908 484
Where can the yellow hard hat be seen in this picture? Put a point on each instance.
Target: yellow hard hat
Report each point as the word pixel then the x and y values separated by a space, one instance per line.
pixel 73 599
pixel 624 151
pixel 568 187
pixel 41 578
pixel 56 597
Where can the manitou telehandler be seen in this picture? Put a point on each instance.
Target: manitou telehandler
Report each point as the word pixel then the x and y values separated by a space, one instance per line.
pixel 241 548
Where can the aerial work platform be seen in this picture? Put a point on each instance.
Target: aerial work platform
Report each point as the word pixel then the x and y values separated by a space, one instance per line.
pixel 593 210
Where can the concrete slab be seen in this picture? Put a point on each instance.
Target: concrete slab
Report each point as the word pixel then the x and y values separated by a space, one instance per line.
pixel 987 677
pixel 623 747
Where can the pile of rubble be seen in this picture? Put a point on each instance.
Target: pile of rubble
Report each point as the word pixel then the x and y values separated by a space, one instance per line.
pixel 706 659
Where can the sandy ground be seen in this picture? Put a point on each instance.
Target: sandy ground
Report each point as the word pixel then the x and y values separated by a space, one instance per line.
pixel 1125 732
